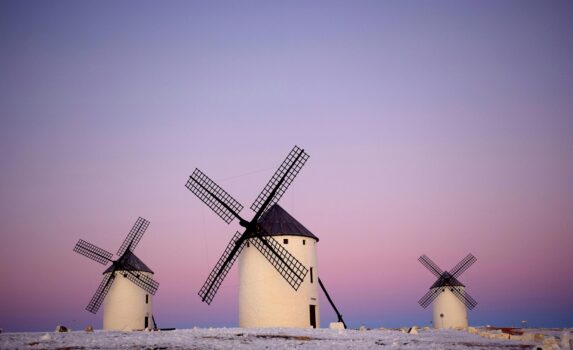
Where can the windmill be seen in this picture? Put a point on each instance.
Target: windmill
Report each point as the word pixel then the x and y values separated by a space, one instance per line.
pixel 447 295
pixel 128 303
pixel 282 261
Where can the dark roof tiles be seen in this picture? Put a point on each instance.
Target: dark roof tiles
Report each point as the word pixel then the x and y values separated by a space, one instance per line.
pixel 129 262
pixel 277 222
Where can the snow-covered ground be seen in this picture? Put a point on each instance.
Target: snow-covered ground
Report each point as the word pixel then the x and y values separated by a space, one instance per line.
pixel 239 338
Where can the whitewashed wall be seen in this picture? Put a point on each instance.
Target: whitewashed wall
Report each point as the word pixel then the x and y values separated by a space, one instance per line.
pixel 266 299
pixel 124 307
pixel 448 310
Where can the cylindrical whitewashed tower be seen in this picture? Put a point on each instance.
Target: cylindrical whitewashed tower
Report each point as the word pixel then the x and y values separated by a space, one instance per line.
pixel 127 307
pixel 448 310
pixel 265 298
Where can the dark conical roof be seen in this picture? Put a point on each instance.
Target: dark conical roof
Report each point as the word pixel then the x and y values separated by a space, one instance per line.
pixel 129 262
pixel 447 280
pixel 277 222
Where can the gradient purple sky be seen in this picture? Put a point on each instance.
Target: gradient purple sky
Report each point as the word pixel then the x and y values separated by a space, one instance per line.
pixel 433 127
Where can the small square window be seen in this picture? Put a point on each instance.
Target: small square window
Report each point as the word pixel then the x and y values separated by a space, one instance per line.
pixel 304 242
pixel 147 298
pixel 285 240
pixel 248 245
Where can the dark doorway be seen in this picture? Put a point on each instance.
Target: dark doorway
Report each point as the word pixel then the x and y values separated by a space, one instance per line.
pixel 146 322
pixel 313 316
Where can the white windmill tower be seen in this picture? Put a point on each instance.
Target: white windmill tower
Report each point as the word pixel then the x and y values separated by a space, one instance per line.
pixel 447 295
pixel 263 299
pixel 127 287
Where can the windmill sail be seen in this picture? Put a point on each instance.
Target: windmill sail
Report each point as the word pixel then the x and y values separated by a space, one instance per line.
pixel 228 208
pixel 216 198
pixel 292 270
pixel 100 293
pixel 133 236
pixel 280 181
pixel 93 252
pixel 221 269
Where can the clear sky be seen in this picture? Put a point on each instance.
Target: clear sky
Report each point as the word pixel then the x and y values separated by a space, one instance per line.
pixel 437 128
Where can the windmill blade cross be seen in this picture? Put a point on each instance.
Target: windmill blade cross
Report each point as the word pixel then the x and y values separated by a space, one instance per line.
pixel 228 208
pixel 284 262
pixel 134 236
pixel 465 298
pixel 463 265
pixel 93 252
pixel 280 181
pixel 221 269
pixel 430 265
pixel 101 292
pixel 215 197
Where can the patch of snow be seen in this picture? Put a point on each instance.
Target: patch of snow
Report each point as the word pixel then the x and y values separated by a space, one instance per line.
pixel 270 338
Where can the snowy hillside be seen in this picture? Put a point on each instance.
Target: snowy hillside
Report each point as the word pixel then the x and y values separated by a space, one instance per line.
pixel 237 338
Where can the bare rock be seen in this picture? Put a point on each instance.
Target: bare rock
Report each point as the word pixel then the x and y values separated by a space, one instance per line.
pixel 472 330
pixel 494 335
pixel 550 343
pixel 89 328
pixel 566 341
pixel 413 330
pixel 62 329
pixel 535 337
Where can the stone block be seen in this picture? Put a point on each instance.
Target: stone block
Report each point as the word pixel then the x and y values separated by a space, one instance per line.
pixel 336 325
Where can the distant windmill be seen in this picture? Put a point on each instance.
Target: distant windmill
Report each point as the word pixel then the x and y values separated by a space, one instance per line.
pixel 287 265
pixel 128 303
pixel 447 295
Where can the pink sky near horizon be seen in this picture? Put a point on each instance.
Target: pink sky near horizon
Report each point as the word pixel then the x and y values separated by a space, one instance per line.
pixel 438 130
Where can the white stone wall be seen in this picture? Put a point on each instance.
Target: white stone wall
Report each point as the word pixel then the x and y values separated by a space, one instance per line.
pixel 124 307
pixel 266 299
pixel 449 311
